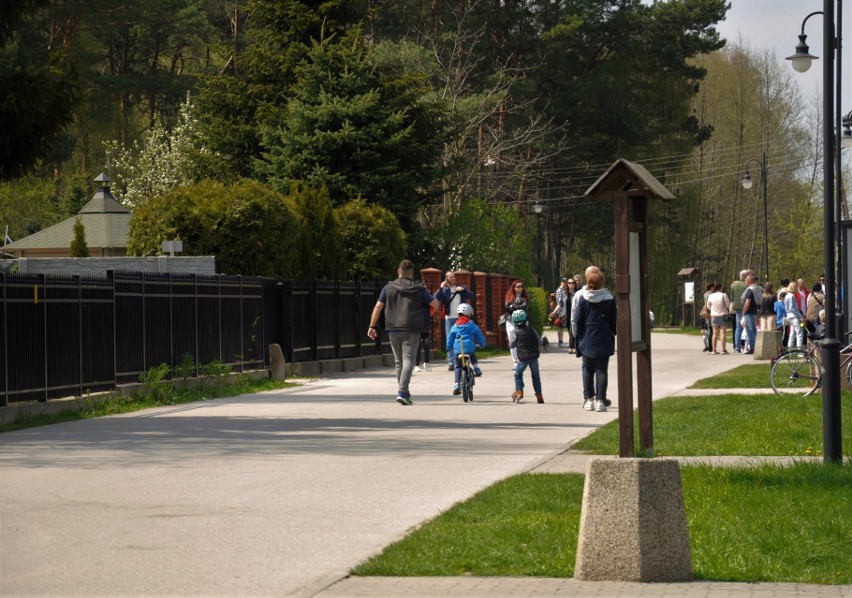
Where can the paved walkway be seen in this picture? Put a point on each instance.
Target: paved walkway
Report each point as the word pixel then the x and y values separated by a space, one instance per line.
pixel 282 493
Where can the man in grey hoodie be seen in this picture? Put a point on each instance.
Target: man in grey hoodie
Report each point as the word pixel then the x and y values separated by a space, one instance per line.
pixel 594 324
pixel 407 303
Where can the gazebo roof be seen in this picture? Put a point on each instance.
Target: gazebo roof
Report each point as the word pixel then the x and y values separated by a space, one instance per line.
pixel 106 221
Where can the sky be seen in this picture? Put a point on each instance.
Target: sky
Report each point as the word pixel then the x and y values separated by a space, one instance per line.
pixel 776 24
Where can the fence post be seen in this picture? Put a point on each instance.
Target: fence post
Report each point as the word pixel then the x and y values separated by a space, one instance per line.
pixel 41 280
pixel 315 327
pixel 79 334
pixel 338 352
pixel 4 395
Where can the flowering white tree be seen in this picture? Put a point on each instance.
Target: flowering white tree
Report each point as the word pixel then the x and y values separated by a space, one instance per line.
pixel 163 160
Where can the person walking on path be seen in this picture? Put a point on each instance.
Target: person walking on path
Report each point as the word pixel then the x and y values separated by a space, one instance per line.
pixel 527 342
pixel 516 298
pixel 795 318
pixel 450 295
pixel 560 312
pixel 405 302
pixel 752 302
pixel 719 305
pixel 595 322
pixel 738 287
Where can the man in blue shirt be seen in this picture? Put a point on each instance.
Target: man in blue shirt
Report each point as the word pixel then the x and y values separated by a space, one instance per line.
pixel 406 303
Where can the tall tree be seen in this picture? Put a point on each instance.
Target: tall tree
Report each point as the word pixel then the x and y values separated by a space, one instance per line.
pixel 255 82
pixel 38 88
pixel 356 129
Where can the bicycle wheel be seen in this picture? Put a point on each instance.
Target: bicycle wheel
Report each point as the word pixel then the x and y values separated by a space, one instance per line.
pixel 795 372
pixel 465 385
pixel 471 380
pixel 849 374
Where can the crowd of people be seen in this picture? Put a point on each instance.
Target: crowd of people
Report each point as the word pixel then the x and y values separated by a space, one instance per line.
pixel 749 306
pixel 586 314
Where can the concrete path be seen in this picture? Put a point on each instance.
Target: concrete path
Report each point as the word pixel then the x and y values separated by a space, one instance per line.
pixel 281 493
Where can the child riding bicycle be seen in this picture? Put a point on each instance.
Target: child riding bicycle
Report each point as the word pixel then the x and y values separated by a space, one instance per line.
pixel 464 337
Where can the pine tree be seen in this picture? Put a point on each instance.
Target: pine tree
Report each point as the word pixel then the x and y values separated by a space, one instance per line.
pixel 78 245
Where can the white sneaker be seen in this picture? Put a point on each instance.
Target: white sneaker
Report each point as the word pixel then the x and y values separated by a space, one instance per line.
pixel 427 367
pixel 588 404
pixel 599 406
pixel 515 365
pixel 416 368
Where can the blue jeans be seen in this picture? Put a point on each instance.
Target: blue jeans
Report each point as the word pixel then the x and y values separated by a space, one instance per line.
pixel 404 346
pixel 474 361
pixel 519 375
pixel 449 323
pixel 738 330
pixel 595 377
pixel 751 329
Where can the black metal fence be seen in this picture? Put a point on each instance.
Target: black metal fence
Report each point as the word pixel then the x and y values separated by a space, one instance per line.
pixel 69 335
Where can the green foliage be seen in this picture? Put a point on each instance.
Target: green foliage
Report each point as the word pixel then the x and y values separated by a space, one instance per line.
pixel 484 236
pixel 249 227
pixel 164 159
pixel 359 131
pixel 160 388
pixel 372 240
pixel 254 85
pixel 318 242
pixel 40 90
pixel 79 248
pixel 27 206
pixel 537 312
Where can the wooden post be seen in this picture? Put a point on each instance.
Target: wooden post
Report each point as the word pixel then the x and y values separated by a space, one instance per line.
pixel 643 355
pixel 624 355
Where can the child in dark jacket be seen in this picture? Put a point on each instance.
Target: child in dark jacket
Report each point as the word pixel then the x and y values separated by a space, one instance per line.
pixel 527 342
pixel 465 335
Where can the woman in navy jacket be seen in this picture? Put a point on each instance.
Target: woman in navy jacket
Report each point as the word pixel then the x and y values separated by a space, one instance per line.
pixel 595 321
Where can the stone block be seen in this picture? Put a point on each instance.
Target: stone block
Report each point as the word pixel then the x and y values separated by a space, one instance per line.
pixel 633 523
pixel 372 362
pixel 331 366
pixel 767 344
pixel 277 364
pixel 352 364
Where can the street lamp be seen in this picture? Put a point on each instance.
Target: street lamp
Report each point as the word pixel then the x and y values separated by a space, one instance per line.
pixel 747 185
pixel 548 227
pixel 831 427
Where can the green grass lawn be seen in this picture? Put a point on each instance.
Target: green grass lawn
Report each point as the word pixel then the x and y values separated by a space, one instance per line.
pixel 750 375
pixel 764 523
pixel 761 425
pixel 768 523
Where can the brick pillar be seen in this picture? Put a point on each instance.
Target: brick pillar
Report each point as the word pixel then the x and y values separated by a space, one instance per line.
pixel 485 315
pixel 432 277
pixel 499 286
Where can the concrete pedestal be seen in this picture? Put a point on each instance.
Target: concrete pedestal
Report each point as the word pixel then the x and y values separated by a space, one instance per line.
pixel 633 523
pixel 768 342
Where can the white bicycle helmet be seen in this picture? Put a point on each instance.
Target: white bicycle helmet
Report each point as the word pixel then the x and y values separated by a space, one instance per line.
pixel 465 309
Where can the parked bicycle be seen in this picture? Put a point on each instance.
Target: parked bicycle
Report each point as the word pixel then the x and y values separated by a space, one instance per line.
pixel 799 371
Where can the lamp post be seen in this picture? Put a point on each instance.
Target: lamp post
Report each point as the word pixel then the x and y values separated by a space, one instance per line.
pixel 548 227
pixel 747 185
pixel 831 432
